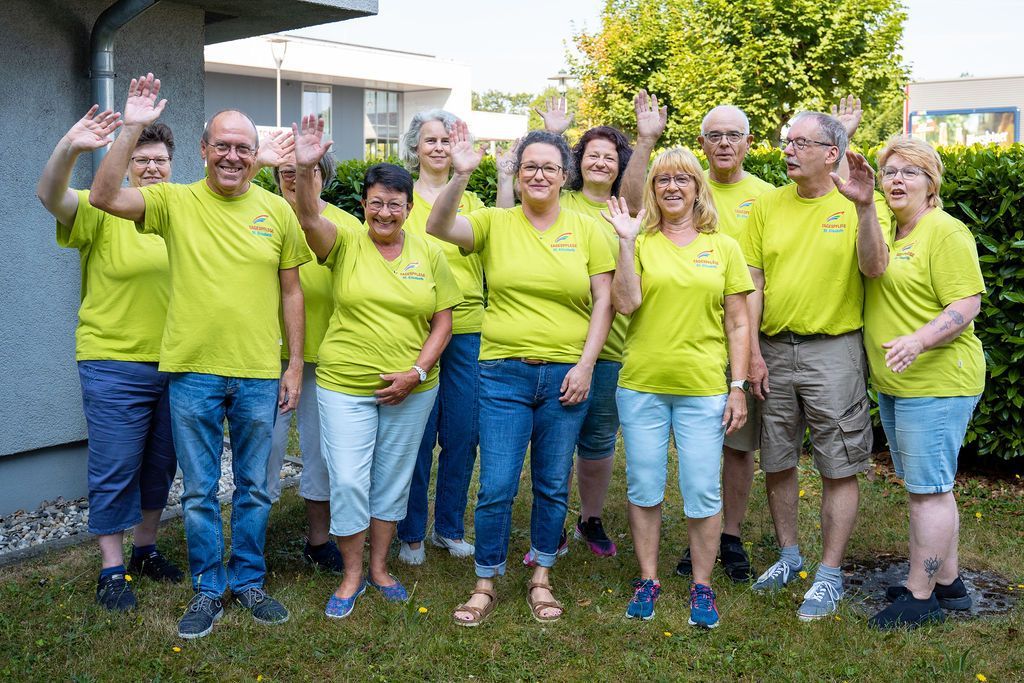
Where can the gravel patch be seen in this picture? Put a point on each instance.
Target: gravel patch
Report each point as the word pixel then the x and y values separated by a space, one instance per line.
pixel 56 520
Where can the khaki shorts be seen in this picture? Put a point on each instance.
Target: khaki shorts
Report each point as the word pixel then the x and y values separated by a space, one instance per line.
pixel 748 438
pixel 818 383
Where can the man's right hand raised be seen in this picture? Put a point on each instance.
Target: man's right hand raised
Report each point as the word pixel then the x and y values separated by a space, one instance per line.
pixel 142 107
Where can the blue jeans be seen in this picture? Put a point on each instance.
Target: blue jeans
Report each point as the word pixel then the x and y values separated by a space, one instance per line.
pixel 925 435
pixel 453 424
pixel 131 452
pixel 519 407
pixel 597 436
pixel 199 404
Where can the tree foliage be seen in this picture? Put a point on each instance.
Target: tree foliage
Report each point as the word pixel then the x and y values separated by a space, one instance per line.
pixel 772 58
pixel 502 102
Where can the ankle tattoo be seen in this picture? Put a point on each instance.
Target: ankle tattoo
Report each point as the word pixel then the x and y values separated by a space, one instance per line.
pixel 931 566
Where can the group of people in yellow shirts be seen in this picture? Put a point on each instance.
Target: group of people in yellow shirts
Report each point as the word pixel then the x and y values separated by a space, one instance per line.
pixel 621 293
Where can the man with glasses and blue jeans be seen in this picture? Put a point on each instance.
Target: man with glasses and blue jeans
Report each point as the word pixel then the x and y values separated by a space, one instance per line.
pixel 234 251
pixel 808 247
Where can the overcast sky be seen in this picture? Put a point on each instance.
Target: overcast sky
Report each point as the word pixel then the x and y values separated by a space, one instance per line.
pixel 515 45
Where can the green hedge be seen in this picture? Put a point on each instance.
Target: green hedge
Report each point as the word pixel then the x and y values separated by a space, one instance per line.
pixel 983 187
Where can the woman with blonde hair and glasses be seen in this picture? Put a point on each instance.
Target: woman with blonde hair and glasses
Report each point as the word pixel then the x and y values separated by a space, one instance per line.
pixel 685 285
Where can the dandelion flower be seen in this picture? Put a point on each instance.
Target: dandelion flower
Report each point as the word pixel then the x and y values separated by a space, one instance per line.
pixel 803 575
pixel 981 677
pixel 802 492
pixel 977 515
pixel 667 634
pixel 127 577
pixel 176 649
pixel 422 610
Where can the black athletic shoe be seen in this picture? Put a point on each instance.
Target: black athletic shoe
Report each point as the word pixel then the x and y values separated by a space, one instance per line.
pixel 908 612
pixel 954 596
pixel 685 566
pixel 326 558
pixel 593 534
pixel 200 615
pixel 155 566
pixel 735 561
pixel 114 593
pixel 264 609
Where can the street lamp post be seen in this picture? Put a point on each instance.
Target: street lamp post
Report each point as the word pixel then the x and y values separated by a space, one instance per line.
pixel 560 79
pixel 278 48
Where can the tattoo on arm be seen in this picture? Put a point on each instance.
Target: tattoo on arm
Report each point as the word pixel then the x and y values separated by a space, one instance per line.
pixel 950 319
pixel 931 566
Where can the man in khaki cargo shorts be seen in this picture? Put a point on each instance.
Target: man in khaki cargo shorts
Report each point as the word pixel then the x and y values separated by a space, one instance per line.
pixel 808 246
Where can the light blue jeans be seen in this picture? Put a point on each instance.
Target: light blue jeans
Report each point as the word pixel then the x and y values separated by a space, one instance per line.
pixel 696 422
pixel 597 436
pixel 313 482
pixel 925 435
pixel 199 404
pixel 370 452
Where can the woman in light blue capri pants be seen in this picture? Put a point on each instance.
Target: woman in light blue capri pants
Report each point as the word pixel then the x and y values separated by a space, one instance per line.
pixel 928 368
pixel 685 284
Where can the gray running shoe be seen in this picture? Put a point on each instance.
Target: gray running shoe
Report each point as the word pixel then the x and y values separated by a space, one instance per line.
pixel 776 576
pixel 200 615
pixel 265 609
pixel 821 600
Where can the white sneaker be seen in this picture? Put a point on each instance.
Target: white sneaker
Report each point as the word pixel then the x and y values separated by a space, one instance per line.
pixel 455 548
pixel 410 555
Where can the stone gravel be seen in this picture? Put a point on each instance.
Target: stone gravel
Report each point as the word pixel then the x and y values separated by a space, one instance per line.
pixel 62 518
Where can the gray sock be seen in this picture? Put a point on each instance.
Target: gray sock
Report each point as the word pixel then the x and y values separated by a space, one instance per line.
pixel 791 556
pixel 833 575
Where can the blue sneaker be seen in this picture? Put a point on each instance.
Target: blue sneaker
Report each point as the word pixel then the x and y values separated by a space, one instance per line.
pixel 645 594
pixel 339 608
pixel 394 593
pixel 821 600
pixel 776 576
pixel 703 606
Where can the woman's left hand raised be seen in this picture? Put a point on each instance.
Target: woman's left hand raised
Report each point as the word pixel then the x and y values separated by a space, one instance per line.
pixel 465 159
pixel 402 384
pixel 576 385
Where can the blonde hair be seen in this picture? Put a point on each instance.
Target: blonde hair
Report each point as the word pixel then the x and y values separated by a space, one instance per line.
pixel 920 154
pixel 680 160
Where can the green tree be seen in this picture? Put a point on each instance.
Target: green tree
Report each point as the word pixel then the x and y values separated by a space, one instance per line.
pixel 502 102
pixel 772 58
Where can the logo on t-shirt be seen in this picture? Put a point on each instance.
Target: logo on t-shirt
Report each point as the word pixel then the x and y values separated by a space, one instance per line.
pixel 743 209
pixel 706 259
pixel 412 272
pixel 564 242
pixel 259 226
pixel 834 223
pixel 906 252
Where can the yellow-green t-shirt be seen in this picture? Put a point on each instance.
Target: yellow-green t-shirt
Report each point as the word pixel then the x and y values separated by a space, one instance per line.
pixel 382 311
pixel 538 283
pixel 575 200
pixel 676 342
pixel 735 201
pixel 316 291
pixel 933 266
pixel 469 273
pixel 807 249
pixel 224 255
pixel 124 286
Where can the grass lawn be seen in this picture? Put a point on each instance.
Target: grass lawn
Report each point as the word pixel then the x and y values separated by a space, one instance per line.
pixel 50 630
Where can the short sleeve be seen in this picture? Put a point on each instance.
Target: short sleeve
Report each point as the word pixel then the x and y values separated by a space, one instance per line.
pixel 885 220
pixel 480 221
pixel 471 202
pixel 737 275
pixel 638 265
pixel 955 272
pixel 82 231
pixel 752 236
pixel 446 291
pixel 599 252
pixel 342 241
pixel 158 201
pixel 294 251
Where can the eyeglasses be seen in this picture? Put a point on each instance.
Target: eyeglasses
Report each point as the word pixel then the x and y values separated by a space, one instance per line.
pixel 223 149
pixel 802 143
pixel 290 173
pixel 681 180
pixel 716 136
pixel 143 162
pixel 908 172
pixel 377 206
pixel 549 170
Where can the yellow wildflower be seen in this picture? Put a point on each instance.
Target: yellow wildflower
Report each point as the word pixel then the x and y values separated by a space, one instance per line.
pixel 977 515
pixel 422 610
pixel 127 577
pixel 667 634
pixel 803 575
pixel 981 677
pixel 176 649
pixel 802 492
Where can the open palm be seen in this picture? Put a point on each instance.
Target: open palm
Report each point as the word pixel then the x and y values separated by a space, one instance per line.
pixel 859 188
pixel 556 116
pixel 143 107
pixel 626 227
pixel 650 119
pixel 465 158
pixel 310 145
pixel 848 113
pixel 275 148
pixel 93 130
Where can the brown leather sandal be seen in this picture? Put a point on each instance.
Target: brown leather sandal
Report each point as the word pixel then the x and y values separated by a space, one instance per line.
pixel 479 613
pixel 537 606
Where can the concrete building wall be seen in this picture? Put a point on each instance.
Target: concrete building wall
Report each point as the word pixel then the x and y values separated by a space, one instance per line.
pixel 44 89
pixel 967 93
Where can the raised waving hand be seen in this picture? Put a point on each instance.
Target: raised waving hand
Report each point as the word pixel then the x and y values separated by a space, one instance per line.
pixel 465 158
pixel 143 107
pixel 650 119
pixel 309 142
pixel 859 188
pixel 626 227
pixel 275 147
pixel 93 130
pixel 848 113
pixel 556 116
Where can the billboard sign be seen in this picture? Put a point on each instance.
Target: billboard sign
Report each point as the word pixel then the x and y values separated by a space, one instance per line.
pixel 967 126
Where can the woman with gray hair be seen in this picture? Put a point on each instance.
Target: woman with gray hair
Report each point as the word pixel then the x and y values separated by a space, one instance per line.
pixel 426 149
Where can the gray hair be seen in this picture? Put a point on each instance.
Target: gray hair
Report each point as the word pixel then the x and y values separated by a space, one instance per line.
pixel 831 130
pixel 411 138
pixel 726 107
pixel 327 166
pixel 545 137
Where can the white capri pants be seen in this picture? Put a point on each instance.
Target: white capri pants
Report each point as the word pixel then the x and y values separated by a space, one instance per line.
pixel 314 483
pixel 370 452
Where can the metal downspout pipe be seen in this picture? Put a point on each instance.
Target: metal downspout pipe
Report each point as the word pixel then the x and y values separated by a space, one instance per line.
pixel 101 55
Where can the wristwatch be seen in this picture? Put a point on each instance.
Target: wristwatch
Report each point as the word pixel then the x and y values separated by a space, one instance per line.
pixel 739 384
pixel 421 372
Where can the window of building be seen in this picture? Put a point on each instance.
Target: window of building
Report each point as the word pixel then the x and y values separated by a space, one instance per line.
pixel 316 99
pixel 381 129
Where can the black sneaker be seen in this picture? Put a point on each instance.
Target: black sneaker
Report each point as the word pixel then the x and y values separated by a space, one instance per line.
pixel 685 566
pixel 155 566
pixel 735 561
pixel 265 609
pixel 114 593
pixel 954 596
pixel 592 532
pixel 325 558
pixel 200 615
pixel 908 612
